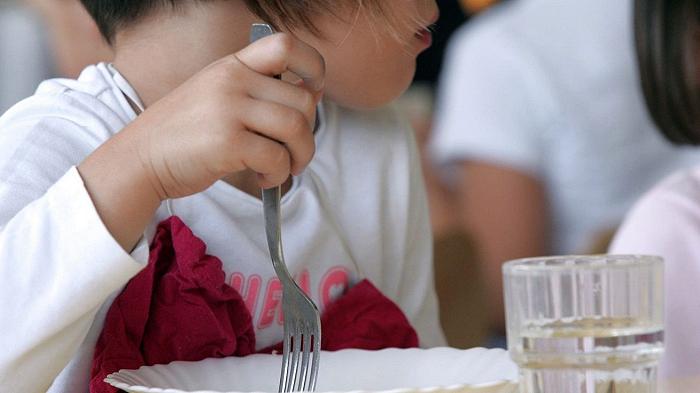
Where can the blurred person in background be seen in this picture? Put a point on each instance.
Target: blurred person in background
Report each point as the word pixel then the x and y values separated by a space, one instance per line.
pixel 73 36
pixel 40 39
pixel 24 55
pixel 542 134
pixel 666 220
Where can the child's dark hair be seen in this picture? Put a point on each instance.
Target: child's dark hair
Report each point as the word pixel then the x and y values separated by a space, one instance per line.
pixel 111 15
pixel 667 36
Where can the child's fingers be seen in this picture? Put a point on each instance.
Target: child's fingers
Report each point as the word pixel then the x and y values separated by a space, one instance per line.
pixel 280 53
pixel 288 94
pixel 285 125
pixel 268 158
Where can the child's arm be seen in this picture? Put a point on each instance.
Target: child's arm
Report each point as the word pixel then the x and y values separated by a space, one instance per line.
pixel 230 117
pixel 59 260
pixel 58 264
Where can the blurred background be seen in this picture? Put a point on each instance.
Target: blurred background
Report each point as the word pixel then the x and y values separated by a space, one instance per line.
pixel 535 141
pixel 532 128
pixel 41 39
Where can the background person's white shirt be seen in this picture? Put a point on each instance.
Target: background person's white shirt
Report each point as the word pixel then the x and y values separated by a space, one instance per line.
pixel 358 211
pixel 550 88
pixel 666 222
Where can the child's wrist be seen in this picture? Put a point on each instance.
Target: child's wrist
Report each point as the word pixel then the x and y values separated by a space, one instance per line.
pixel 149 177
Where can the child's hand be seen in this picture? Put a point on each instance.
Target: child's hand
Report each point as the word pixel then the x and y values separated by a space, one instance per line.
pixel 232 116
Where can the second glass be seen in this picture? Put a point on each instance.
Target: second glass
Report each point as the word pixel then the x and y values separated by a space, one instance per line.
pixel 585 324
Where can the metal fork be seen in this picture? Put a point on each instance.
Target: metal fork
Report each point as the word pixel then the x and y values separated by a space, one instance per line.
pixel 302 323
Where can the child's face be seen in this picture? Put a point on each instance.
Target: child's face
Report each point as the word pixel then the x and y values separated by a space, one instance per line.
pixel 367 66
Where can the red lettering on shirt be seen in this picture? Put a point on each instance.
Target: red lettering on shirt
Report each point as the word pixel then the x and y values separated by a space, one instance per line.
pixel 271 303
pixel 304 282
pixel 250 292
pixel 333 284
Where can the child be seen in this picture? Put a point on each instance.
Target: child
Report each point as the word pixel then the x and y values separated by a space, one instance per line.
pixel 666 221
pixel 188 121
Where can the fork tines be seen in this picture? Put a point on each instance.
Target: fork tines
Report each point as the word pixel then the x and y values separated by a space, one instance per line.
pixel 299 376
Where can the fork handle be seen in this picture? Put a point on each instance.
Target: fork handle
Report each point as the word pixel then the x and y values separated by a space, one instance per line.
pixel 273 230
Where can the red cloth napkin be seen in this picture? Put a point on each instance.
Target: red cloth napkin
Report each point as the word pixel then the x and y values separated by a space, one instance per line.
pixel 181 308
pixel 363 318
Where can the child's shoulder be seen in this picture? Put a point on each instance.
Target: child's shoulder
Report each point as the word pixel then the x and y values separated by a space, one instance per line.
pixel 684 182
pixel 678 192
pixel 61 123
pixel 380 128
pixel 375 143
pixel 88 100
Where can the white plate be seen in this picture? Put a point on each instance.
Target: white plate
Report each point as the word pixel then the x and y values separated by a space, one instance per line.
pixel 434 370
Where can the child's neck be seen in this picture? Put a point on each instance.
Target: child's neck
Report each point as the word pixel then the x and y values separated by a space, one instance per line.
pixel 164 50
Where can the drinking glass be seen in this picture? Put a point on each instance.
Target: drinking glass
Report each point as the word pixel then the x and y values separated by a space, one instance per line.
pixel 585 324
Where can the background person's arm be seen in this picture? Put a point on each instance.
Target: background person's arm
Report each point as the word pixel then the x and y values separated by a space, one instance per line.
pixel 505 212
pixel 495 119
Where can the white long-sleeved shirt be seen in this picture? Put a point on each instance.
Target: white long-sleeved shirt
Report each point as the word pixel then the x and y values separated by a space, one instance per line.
pixel 358 211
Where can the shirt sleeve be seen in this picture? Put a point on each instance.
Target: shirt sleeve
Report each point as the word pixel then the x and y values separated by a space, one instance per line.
pixel 58 262
pixel 666 222
pixel 494 103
